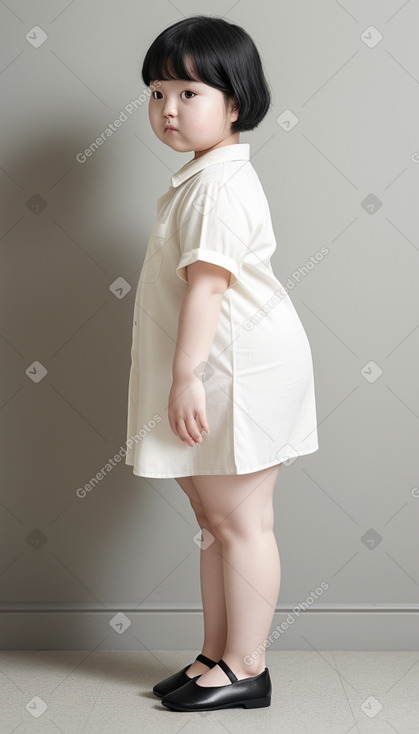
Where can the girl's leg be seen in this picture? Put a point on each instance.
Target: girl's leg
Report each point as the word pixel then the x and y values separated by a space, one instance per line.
pixel 212 587
pixel 240 510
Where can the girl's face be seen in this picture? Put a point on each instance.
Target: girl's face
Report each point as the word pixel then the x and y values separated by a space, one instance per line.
pixel 191 116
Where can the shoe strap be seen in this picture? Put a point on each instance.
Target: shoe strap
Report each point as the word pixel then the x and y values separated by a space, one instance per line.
pixel 227 670
pixel 205 660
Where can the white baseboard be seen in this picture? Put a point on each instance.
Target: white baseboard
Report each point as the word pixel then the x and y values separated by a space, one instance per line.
pixel 175 627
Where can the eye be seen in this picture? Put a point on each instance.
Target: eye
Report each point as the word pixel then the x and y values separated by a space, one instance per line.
pixel 188 92
pixel 156 91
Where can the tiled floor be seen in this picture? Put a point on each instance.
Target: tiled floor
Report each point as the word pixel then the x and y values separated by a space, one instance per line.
pixel 100 692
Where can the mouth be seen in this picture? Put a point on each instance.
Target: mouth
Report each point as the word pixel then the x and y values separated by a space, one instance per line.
pixel 170 127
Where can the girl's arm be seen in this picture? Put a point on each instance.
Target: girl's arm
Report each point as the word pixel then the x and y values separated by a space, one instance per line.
pixel 198 320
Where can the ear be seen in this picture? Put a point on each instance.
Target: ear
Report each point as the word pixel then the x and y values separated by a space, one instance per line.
pixel 233 109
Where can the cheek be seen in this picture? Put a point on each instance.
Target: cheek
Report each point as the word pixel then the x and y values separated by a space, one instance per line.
pixel 153 117
pixel 209 113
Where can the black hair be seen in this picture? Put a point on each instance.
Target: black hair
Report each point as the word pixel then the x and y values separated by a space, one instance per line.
pixel 222 55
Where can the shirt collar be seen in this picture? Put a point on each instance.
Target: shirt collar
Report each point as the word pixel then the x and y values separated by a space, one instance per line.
pixel 235 152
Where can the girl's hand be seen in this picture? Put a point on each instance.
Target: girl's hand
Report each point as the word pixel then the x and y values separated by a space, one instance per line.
pixel 187 414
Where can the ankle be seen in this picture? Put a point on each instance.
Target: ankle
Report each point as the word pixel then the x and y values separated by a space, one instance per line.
pixel 215 656
pixel 240 669
pixel 197 667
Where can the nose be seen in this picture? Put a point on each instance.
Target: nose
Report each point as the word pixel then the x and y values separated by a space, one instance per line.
pixel 169 108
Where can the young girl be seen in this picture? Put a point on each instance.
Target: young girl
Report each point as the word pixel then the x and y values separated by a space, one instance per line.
pixel 221 388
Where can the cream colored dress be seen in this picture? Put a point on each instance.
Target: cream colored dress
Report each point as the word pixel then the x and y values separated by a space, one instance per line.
pixel 259 382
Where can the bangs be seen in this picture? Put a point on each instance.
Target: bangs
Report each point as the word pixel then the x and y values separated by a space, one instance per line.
pixel 169 63
pixel 185 53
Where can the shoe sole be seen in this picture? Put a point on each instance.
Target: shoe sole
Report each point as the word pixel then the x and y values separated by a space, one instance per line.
pixel 252 703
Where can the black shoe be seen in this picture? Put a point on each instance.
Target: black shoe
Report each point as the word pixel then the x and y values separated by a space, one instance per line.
pixel 251 693
pixel 179 679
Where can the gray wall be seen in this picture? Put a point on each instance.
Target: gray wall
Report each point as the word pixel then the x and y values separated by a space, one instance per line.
pixel 345 177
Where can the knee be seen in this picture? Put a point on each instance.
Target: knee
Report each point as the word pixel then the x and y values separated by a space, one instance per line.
pixel 268 519
pixel 201 517
pixel 241 526
pixel 226 529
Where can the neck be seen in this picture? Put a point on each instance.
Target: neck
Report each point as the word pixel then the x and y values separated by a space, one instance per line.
pixel 230 140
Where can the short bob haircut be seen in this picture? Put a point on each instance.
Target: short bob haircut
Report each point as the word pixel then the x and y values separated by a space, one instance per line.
pixel 221 54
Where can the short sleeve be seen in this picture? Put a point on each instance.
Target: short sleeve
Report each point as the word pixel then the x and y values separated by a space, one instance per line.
pixel 212 226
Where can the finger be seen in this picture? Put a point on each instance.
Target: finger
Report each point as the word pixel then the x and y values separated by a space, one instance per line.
pixel 201 425
pixel 203 422
pixel 183 432
pixel 193 430
pixel 198 423
pixel 173 425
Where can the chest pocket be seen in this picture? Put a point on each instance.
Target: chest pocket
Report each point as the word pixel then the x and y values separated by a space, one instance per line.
pixel 154 255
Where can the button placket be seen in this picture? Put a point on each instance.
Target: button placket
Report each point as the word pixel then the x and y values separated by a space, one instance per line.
pixel 150 270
